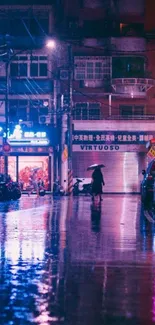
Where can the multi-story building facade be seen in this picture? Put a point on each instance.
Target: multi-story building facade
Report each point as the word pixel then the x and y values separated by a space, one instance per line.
pixel 23 32
pixel 113 87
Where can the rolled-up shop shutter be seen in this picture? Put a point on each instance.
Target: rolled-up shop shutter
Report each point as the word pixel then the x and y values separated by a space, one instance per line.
pixel 122 172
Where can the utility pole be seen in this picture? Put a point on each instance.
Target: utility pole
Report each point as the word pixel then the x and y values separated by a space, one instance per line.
pixel 6 110
pixel 66 132
pixel 69 124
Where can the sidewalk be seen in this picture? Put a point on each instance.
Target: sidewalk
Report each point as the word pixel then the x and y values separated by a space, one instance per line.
pixel 33 192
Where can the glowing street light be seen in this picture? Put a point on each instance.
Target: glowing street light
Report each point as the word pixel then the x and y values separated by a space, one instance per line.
pixel 51 44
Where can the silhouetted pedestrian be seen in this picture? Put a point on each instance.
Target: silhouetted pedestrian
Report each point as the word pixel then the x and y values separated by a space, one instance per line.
pixel 97 183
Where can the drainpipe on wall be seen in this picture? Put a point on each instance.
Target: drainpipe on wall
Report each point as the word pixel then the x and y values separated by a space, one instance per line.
pixel 110 97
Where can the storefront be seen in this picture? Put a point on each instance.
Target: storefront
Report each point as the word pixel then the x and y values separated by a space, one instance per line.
pixel 123 154
pixel 22 166
pixel 31 155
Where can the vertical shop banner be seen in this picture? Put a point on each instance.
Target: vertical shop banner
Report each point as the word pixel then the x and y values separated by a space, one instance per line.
pixel 64 156
pixel 151 153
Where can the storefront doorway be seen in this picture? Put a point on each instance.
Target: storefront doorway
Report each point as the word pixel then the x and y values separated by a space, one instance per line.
pixel 24 168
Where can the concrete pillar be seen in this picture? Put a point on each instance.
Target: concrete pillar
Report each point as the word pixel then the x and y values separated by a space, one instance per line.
pixel 52 170
pixel 64 175
pixel 56 108
pixel 64 154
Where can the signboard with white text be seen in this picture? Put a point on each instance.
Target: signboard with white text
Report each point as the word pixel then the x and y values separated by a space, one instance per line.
pixel 29 138
pixel 107 148
pixel 113 137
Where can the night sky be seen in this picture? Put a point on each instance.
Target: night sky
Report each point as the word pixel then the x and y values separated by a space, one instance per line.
pixel 25 2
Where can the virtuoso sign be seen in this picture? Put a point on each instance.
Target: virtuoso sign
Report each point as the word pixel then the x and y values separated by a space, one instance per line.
pixel 106 147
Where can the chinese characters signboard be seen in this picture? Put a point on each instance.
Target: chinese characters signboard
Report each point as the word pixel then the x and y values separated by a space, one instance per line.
pixel 107 137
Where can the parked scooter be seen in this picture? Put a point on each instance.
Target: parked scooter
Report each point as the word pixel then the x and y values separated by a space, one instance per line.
pixel 15 191
pixel 85 189
pixel 3 192
pixel 42 191
pixel 58 189
pixel 41 188
pixel 76 187
pixel 9 191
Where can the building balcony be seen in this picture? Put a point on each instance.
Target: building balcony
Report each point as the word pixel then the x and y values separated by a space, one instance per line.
pixel 132 87
pixel 127 44
pixel 87 116
pixel 115 125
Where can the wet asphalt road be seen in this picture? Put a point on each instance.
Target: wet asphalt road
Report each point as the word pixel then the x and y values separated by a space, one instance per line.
pixel 66 262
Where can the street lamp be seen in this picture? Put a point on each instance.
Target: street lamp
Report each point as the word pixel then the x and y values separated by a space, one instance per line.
pixel 51 44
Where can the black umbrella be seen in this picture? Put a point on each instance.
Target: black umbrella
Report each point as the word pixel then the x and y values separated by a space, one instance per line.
pixel 92 167
pixel 35 169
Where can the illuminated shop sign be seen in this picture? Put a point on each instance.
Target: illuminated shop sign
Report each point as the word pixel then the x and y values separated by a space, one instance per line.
pixel 107 137
pixel 29 142
pixel 28 138
pixel 34 135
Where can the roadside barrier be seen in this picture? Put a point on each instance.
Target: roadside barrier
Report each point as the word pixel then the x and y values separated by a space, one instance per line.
pixel 70 182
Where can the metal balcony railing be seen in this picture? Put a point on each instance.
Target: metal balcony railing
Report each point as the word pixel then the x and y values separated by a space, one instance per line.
pixel 130 117
pixel 88 117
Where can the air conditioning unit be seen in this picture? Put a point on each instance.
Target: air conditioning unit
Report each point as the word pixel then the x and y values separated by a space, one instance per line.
pixel 44 119
pixel 64 74
pixel 29 124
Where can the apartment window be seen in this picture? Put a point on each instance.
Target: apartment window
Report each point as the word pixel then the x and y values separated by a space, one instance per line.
pixel 80 111
pixel 34 70
pixel 14 69
pixel 128 67
pixel 38 66
pixel 94 111
pixel 37 108
pixel 34 111
pixel 126 110
pixel 19 66
pixel 86 111
pixel 92 68
pixel 28 66
pixel 18 110
pixel 131 29
pixel 139 110
pixel 18 69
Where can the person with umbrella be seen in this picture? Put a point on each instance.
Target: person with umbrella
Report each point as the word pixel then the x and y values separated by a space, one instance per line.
pixel 97 181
